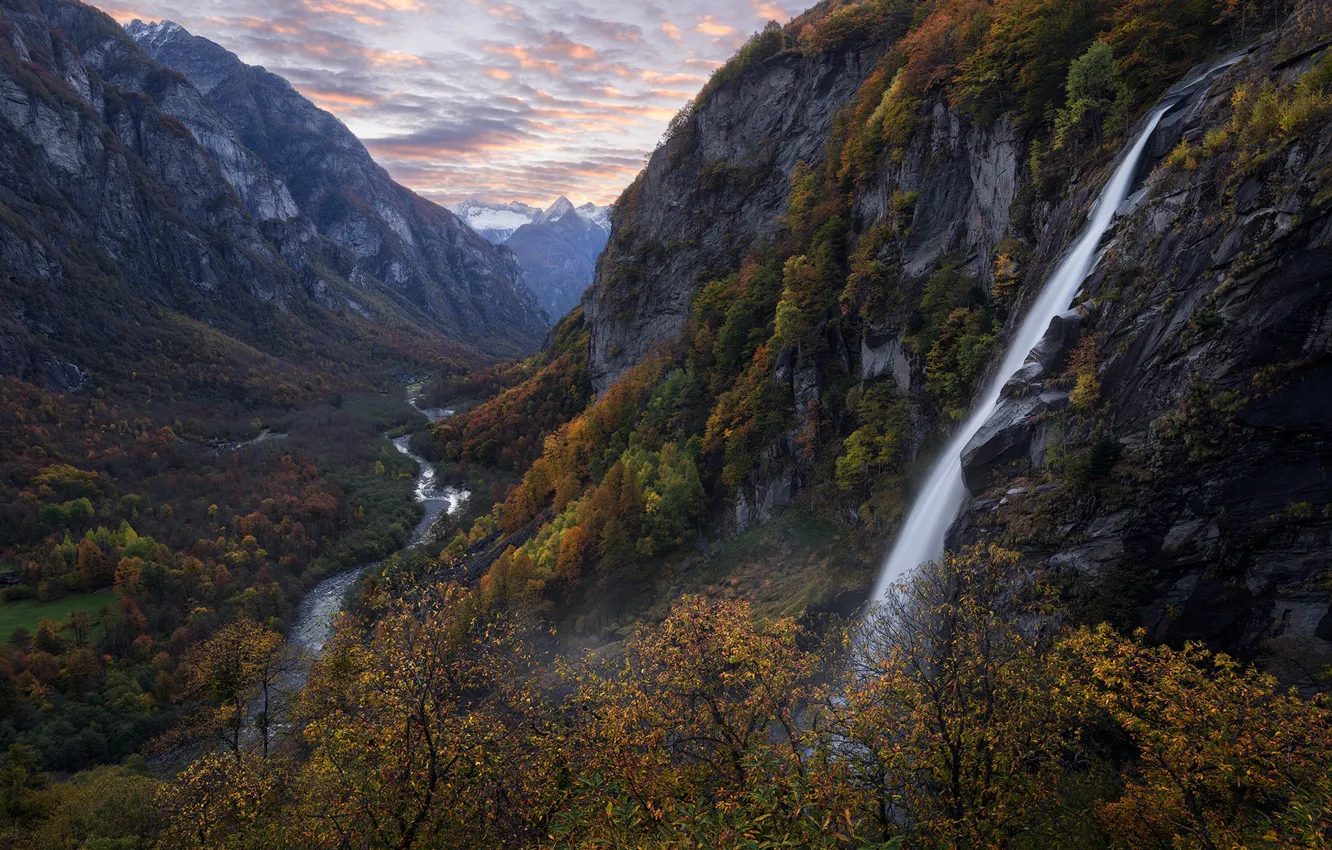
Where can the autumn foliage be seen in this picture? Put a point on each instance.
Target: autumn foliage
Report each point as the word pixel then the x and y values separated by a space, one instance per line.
pixel 960 714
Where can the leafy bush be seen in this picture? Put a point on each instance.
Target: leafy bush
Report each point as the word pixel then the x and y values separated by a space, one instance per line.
pixel 1093 86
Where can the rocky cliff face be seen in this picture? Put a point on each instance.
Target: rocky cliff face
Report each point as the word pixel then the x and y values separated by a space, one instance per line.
pixel 131 206
pixel 108 200
pixel 393 237
pixel 1166 452
pixel 708 195
pixel 1211 313
pixel 558 252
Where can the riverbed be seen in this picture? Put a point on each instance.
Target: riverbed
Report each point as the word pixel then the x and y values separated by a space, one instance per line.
pixel 320 607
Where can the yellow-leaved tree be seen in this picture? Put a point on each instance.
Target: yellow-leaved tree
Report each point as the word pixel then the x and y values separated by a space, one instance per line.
pixel 699 737
pixel 1226 757
pixel 948 714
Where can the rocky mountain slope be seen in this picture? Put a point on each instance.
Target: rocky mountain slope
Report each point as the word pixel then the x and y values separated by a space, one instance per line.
pixel 709 194
pixel 558 251
pixel 394 237
pixel 557 247
pixel 813 276
pixel 141 223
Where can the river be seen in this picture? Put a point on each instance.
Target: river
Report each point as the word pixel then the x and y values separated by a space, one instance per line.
pixel 321 606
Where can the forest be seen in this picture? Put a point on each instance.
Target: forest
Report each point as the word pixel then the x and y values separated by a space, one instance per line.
pixel 613 648
pixel 967 713
pixel 189 526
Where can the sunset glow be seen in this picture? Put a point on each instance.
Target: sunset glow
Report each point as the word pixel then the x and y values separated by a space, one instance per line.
pixel 478 98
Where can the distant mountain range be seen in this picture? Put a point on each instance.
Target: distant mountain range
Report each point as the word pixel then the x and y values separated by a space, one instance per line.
pixel 497 222
pixel 158 192
pixel 557 247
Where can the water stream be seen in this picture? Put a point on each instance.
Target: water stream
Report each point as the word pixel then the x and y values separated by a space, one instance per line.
pixel 940 500
pixel 320 607
pixel 935 509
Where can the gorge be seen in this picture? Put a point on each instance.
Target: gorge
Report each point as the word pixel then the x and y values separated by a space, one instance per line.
pixel 1008 321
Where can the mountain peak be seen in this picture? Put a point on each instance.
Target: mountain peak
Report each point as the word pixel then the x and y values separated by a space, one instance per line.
pixel 558 210
pixel 600 216
pixel 496 222
pixel 153 32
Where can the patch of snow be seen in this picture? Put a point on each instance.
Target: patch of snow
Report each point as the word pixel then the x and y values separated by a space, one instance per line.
pixel 600 216
pixel 496 219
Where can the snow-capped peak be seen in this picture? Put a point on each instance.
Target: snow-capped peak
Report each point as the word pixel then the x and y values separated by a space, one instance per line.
pixel 558 210
pixel 495 222
pixel 152 32
pixel 600 216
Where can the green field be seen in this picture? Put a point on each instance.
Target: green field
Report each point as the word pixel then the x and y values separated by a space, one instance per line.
pixel 29 613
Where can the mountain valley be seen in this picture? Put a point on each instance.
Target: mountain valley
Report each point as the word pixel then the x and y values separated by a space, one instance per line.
pixel 927 449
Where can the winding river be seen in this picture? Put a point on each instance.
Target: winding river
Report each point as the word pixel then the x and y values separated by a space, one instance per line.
pixel 325 601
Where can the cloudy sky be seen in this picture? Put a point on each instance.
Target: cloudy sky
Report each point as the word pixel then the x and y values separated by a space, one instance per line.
pixel 485 98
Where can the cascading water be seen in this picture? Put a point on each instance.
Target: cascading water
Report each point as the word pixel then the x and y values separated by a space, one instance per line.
pixel 922 536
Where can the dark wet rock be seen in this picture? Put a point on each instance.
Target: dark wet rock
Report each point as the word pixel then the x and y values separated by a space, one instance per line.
pixel 1214 328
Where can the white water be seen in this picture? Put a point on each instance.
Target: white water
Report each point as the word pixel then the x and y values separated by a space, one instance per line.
pixel 437 500
pixel 935 509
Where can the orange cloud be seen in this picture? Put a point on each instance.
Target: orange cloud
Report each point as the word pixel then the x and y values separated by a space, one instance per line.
pixel 672 31
pixel 333 50
pixel 559 45
pixel 390 57
pixel 354 7
pixel 497 74
pixel 359 10
pixel 508 11
pixel 526 60
pixel 651 76
pixel 339 101
pixel 708 26
pixel 258 24
pixel 124 16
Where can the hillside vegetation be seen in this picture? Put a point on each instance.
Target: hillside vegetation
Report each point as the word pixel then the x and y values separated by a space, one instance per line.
pixel 649 632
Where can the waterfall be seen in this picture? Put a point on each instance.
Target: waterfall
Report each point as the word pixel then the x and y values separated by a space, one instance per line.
pixel 935 509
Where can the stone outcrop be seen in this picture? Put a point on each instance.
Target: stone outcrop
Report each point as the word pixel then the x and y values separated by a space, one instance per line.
pixel 965 179
pixel 709 194
pixel 1025 401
